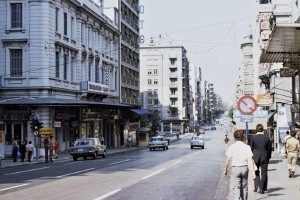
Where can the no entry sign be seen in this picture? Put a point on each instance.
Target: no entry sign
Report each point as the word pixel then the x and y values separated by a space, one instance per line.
pixel 247 105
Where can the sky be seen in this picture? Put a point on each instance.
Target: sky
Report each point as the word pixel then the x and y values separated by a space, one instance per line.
pixel 211 31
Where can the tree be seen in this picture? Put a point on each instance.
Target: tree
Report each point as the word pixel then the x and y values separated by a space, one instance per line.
pixel 151 121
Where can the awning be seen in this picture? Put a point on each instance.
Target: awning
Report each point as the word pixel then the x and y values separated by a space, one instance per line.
pixel 141 111
pixel 284 45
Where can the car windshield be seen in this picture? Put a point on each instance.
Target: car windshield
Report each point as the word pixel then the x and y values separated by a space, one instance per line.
pixel 197 138
pixel 83 142
pixel 157 139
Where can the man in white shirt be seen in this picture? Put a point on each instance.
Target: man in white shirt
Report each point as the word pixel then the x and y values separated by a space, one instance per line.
pixel 241 158
pixel 30 150
pixel 286 137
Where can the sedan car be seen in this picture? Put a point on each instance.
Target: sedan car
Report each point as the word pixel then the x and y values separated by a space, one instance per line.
pixel 197 141
pixel 158 142
pixel 87 147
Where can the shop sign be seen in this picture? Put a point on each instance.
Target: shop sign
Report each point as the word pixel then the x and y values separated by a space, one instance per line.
pixel 58 117
pixel 90 115
pixel 47 131
pixel 287 72
pixel 14 117
pixel 57 124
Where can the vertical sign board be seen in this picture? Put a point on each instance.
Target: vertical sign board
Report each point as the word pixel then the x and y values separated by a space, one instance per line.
pixel 247 105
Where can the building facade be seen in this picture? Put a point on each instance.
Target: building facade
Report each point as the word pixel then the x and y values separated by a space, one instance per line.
pixel 60 63
pixel 165 84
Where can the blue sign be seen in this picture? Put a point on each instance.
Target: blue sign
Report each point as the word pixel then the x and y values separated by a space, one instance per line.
pixel 247 118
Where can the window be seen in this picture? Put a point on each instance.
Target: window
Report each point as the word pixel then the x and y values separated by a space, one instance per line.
pixel 173 92
pixel 155 71
pixel 150 92
pixel 173 103
pixel 149 81
pixel 57 65
pixel 90 71
pixel 65 24
pixel 150 102
pixel 72 28
pixel 65 67
pixel 155 101
pixel 172 60
pixel 103 76
pixel 56 19
pixel 155 82
pixel 149 72
pixel 97 73
pixel 73 60
pixel 16 65
pixel 155 91
pixel 16 15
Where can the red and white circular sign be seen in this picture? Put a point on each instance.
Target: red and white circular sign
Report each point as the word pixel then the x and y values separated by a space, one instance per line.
pixel 247 105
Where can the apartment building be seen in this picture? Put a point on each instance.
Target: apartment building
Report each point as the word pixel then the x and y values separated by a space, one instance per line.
pixel 60 63
pixel 164 84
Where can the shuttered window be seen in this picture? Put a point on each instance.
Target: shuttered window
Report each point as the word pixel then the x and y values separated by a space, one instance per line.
pixel 16 15
pixel 16 57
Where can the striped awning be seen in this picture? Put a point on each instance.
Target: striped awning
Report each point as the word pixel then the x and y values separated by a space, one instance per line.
pixel 284 45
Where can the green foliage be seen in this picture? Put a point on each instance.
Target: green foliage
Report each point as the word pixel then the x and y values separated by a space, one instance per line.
pixel 152 122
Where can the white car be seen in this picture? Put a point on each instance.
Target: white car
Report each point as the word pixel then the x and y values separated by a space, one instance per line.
pixel 158 142
pixel 197 141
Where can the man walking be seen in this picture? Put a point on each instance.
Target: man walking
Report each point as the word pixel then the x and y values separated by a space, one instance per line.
pixel 29 149
pixel 262 148
pixel 292 148
pixel 241 158
pixel 46 147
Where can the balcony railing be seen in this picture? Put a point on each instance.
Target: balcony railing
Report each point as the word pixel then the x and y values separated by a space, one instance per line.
pixel 173 75
pixel 173 85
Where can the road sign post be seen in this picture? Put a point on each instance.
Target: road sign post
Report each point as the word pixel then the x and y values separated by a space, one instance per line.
pixel 247 105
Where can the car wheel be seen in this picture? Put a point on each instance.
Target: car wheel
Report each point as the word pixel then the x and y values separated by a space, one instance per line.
pixel 202 147
pixel 95 155
pixel 150 149
pixel 192 147
pixel 104 154
pixel 167 147
pixel 74 158
pixel 164 148
pixel 85 158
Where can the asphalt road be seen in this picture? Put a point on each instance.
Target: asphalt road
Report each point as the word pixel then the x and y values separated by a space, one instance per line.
pixel 177 173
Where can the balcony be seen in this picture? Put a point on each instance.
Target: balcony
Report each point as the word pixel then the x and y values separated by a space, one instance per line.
pixel 173 96
pixel 174 106
pixel 173 85
pixel 173 75
pixel 172 66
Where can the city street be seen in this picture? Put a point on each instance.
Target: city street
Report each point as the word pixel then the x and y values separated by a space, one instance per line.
pixel 177 173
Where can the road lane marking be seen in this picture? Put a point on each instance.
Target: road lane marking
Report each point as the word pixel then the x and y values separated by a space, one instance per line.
pixel 26 171
pixel 9 188
pixel 119 162
pixel 153 174
pixel 75 173
pixel 177 162
pixel 108 194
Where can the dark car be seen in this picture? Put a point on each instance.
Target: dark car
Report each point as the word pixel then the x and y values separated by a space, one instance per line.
pixel 87 147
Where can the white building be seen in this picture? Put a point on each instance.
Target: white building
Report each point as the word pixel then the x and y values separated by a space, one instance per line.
pixel 164 75
pixel 60 63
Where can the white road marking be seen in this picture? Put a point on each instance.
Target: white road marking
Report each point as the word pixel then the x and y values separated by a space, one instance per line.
pixel 119 162
pixel 26 171
pixel 9 188
pixel 153 173
pixel 177 162
pixel 75 173
pixel 108 194
pixel 73 163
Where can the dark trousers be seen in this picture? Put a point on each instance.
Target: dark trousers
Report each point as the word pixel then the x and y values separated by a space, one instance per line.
pixel 29 154
pixel 261 180
pixel 23 156
pixel 46 154
pixel 15 156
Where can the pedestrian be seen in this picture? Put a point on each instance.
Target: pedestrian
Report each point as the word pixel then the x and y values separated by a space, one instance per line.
pixel 56 148
pixel 129 141
pixel 102 140
pixel 292 148
pixel 262 149
pixel 14 152
pixel 22 150
pixel 51 148
pixel 30 150
pixel 240 156
pixel 287 136
pixel 46 147
pixel 226 140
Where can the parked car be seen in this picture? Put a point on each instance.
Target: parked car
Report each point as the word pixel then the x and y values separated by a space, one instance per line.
pixel 213 128
pixel 87 147
pixel 197 141
pixel 158 142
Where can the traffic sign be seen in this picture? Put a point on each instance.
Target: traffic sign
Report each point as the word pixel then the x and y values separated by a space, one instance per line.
pixel 247 105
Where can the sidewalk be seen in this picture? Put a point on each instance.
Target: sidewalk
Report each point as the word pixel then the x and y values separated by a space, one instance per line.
pixel 280 186
pixel 8 162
